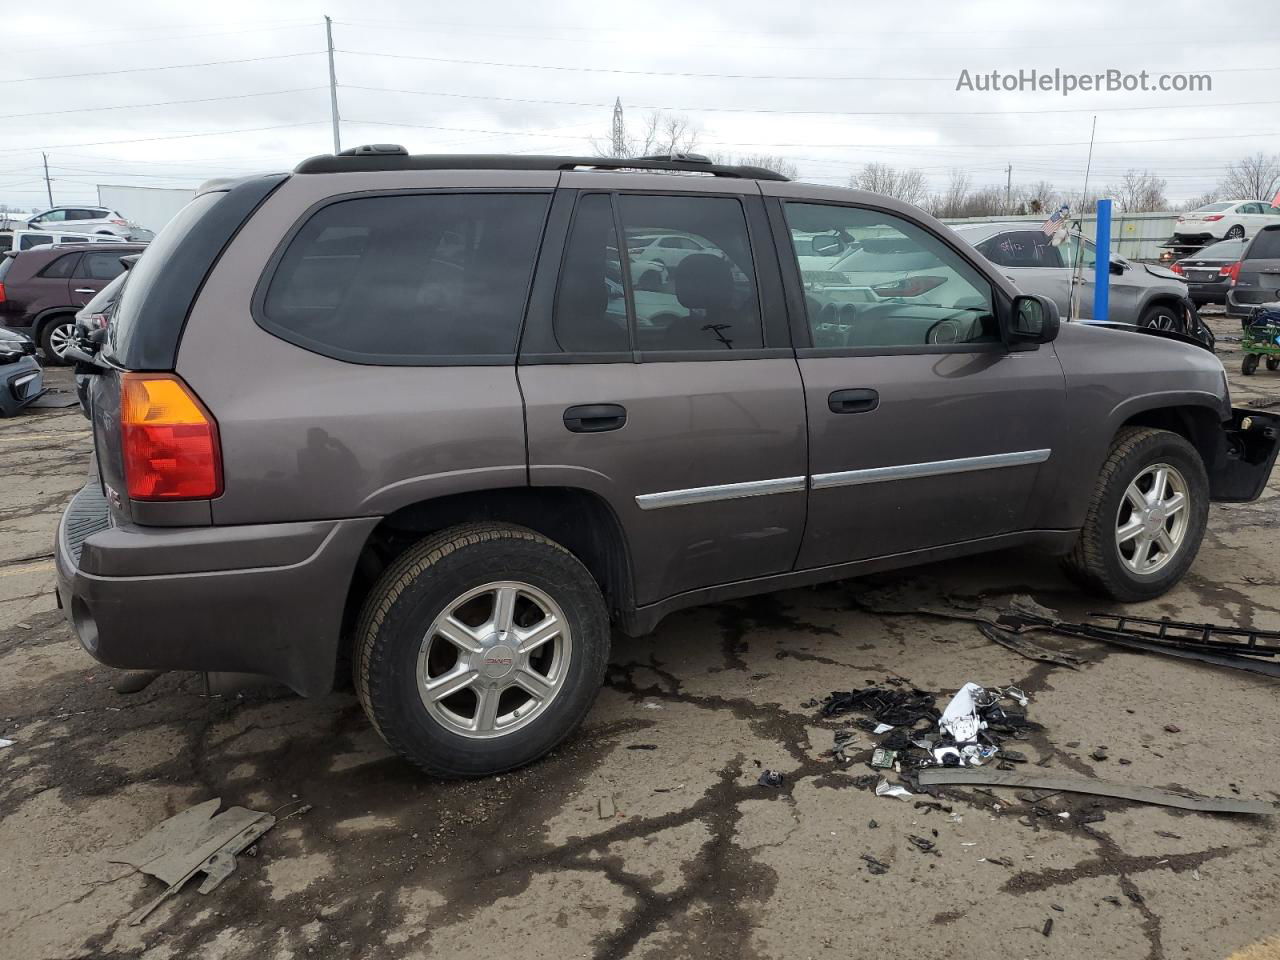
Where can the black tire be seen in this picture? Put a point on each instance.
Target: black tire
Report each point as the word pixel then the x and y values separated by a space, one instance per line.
pixel 47 331
pixel 421 584
pixel 1249 364
pixel 1095 562
pixel 1235 233
pixel 1273 363
pixel 1161 317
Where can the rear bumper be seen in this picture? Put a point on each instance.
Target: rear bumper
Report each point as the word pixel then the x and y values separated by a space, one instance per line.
pixel 264 599
pixel 1208 291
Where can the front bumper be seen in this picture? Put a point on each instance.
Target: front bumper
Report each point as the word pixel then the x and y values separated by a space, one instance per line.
pixel 21 381
pixel 1241 470
pixel 266 598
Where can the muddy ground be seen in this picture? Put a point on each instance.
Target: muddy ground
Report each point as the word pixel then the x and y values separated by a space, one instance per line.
pixel 696 858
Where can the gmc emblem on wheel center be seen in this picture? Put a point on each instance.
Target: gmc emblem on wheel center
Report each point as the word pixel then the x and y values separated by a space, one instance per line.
pixel 503 661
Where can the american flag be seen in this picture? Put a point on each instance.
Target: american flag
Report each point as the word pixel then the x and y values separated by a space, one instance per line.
pixel 1050 226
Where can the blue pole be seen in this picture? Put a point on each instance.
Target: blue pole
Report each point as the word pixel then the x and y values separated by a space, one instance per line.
pixel 1102 262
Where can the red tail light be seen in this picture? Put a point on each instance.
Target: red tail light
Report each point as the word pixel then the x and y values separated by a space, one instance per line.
pixel 1177 268
pixel 1214 216
pixel 908 286
pixel 121 223
pixel 2 296
pixel 1232 272
pixel 171 449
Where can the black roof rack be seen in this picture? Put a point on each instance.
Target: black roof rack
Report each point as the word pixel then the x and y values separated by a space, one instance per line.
pixel 390 156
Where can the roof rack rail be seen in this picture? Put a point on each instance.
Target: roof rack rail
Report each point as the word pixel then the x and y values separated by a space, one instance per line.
pixel 390 156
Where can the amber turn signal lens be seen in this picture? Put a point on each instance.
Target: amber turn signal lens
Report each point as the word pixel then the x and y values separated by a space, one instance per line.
pixel 170 441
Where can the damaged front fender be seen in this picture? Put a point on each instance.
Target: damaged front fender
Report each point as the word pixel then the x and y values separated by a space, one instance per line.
pixel 1250 441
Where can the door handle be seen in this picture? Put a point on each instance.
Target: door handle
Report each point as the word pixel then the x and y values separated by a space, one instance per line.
pixel 84 290
pixel 595 417
pixel 853 401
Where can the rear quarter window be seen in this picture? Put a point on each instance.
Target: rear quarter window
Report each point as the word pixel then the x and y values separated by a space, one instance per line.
pixel 410 279
pixel 1265 246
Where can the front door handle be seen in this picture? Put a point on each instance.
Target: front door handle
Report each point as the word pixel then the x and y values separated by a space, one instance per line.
pixel 595 417
pixel 84 290
pixel 853 401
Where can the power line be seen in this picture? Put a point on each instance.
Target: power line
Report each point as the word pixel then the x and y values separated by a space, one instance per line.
pixel 161 39
pixel 158 103
pixel 174 66
pixel 180 136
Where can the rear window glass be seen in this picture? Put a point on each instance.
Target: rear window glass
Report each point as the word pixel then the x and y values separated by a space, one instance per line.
pixel 408 279
pixel 148 269
pixel 1213 208
pixel 5 264
pixel 1021 248
pixel 1265 246
pixel 1226 249
pixel 100 266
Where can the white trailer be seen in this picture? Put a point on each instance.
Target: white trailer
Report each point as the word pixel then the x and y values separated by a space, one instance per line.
pixel 150 207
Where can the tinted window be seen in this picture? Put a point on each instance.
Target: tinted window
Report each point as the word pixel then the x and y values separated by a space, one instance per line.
pixel 703 295
pixel 84 214
pixel 53 216
pixel 1265 246
pixel 402 279
pixel 591 307
pixel 895 285
pixel 100 266
pixel 29 240
pixel 1224 249
pixel 6 241
pixel 61 268
pixel 1212 208
pixel 1021 248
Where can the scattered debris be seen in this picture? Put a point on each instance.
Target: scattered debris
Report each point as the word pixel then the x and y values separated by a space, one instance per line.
pixel 1168 835
pixel 770 778
pixel 1172 728
pixel 875 867
pixel 606 809
pixel 5 743
pixel 886 789
pixel 1058 907
pixel 642 746
pixel 960 719
pixel 1047 928
pixel 954 775
pixel 998 861
pixel 922 844
pixel 1114 901
pixel 1026 648
pixel 1099 754
pixel 883 759
pixel 843 742
pixel 191 842
pixel 872 825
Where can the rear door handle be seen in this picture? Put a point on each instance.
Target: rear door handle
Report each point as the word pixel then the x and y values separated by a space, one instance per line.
pixel 85 290
pixel 595 417
pixel 853 401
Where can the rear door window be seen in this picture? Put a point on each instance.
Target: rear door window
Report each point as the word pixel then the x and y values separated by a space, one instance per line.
pixel 408 279
pixel 29 240
pixel 1021 248
pixel 100 266
pixel 61 268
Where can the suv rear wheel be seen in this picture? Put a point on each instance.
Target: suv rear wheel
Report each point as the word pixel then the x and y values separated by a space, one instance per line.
pixel 480 649
pixel 55 336
pixel 1146 518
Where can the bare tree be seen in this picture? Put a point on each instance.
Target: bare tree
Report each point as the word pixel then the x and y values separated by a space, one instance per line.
pixel 1139 192
pixel 660 133
pixel 766 160
pixel 1253 178
pixel 1196 203
pixel 952 202
pixel 906 185
pixel 1039 197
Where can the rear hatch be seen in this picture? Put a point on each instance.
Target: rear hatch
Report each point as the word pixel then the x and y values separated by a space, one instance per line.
pixel 1259 279
pixel 139 355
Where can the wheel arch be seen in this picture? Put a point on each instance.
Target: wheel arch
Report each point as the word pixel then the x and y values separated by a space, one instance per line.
pixel 580 520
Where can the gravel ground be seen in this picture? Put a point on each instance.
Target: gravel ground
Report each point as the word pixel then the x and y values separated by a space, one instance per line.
pixel 695 858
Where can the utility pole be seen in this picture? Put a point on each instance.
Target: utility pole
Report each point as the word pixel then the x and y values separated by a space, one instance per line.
pixel 1008 186
pixel 333 87
pixel 48 187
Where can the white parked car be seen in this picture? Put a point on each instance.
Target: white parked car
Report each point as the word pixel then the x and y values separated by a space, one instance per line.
pixel 95 220
pixel 27 239
pixel 667 249
pixel 1226 220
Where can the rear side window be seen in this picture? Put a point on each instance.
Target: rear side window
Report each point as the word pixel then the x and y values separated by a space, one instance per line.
pixel 1021 248
pixel 29 240
pixel 5 264
pixel 408 279
pixel 1265 246
pixel 100 266
pixel 61 268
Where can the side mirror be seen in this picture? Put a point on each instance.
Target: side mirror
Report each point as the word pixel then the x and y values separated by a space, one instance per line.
pixel 1118 267
pixel 826 245
pixel 1035 320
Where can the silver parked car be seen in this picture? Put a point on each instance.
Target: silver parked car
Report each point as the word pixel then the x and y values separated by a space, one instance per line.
pixel 95 220
pixel 1142 294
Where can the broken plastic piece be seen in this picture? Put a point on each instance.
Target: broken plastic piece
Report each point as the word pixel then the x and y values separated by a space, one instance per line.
pixel 875 867
pixel 194 841
pixel 960 719
pixel 886 789
pixel 883 759
pixel 934 776
pixel 5 743
pixel 882 728
pixel 770 778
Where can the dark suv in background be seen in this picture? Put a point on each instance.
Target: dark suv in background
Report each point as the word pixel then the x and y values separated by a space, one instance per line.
pixel 42 289
pixel 1257 278
pixel 444 418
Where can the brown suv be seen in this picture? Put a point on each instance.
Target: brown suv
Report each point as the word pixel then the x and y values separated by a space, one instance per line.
pixel 447 418
pixel 41 289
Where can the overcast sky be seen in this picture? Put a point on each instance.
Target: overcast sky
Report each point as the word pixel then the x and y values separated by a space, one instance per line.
pixel 829 85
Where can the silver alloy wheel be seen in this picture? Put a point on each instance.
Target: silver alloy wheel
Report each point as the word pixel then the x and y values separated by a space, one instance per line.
pixel 1153 518
pixel 494 659
pixel 1163 321
pixel 60 338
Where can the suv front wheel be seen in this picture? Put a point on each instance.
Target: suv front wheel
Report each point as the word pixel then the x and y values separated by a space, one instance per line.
pixel 480 649
pixel 1146 517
